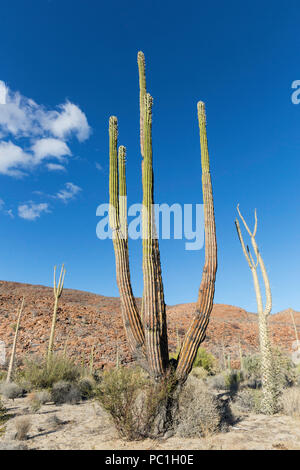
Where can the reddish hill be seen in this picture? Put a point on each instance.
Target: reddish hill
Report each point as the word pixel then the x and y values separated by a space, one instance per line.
pixel 86 320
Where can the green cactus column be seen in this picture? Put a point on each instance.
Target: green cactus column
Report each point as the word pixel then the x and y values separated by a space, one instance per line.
pixel 158 286
pixel 197 330
pixel 155 347
pixel 118 224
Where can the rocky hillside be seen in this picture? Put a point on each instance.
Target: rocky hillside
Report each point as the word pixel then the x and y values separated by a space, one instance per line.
pixel 86 320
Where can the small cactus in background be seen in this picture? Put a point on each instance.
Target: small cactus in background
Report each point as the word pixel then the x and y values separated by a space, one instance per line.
pixel 147 330
pixel 13 352
pixel 269 404
pixel 57 290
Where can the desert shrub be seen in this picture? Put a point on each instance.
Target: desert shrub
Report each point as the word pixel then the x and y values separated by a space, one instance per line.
pixel 87 388
pixel 199 413
pixel 205 360
pixel 252 366
pixel 199 372
pixel 11 390
pixel 65 392
pixel 244 400
pixel 43 396
pixel 33 402
pixel 3 412
pixel 39 376
pixel 3 375
pixel 233 378
pixel 23 425
pixel 290 402
pixel 133 401
pixel 248 400
pixel 226 380
pixel 284 370
pixel 217 382
pixel 37 399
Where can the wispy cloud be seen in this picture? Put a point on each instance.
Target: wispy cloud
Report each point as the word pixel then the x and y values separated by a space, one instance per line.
pixel 32 211
pixel 55 167
pixel 44 132
pixel 99 166
pixel 6 211
pixel 68 193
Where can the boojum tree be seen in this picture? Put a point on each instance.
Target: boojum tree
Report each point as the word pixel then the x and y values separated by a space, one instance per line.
pixel 147 330
pixel 269 403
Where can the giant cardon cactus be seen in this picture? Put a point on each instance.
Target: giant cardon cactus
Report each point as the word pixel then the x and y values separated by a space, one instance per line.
pixel 147 330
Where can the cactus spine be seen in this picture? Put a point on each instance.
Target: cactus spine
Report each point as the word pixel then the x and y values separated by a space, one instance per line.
pixel 57 291
pixel 13 352
pixel 269 403
pixel 147 333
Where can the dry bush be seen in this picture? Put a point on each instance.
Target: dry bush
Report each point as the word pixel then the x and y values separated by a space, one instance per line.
pixel 87 387
pixel 137 406
pixel 199 372
pixel 290 402
pixel 37 399
pixel 199 413
pixel 3 415
pixel 11 390
pixel 23 425
pixel 248 400
pixel 65 392
pixel 206 360
pixel 59 368
pixel 33 402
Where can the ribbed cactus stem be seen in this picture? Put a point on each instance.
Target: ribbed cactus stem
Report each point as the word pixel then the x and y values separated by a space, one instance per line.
pixel 13 352
pixel 57 291
pixel 117 185
pixel 122 192
pixel 142 83
pixel 155 347
pixel 197 330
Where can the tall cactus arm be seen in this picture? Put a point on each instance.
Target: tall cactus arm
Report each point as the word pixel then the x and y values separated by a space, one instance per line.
pixel 142 83
pixel 156 349
pixel 122 193
pixel 197 330
pixel 13 352
pixel 161 306
pixel 117 185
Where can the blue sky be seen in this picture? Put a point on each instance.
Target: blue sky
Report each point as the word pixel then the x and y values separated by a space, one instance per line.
pixel 66 66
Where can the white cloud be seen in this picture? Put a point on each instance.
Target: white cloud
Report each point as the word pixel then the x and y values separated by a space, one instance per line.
pixel 70 191
pixel 32 211
pixel 50 147
pixel 3 92
pixel 12 158
pixel 46 131
pixel 55 167
pixel 70 120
